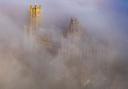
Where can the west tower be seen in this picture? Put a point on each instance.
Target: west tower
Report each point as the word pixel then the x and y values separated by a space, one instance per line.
pixel 35 16
pixel 34 23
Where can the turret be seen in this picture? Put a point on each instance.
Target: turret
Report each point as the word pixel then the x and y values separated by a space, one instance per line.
pixel 74 27
pixel 35 11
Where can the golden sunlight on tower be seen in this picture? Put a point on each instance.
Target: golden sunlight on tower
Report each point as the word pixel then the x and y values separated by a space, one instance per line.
pixel 35 11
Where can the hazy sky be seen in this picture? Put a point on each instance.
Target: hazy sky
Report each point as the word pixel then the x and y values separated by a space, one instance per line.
pixel 116 8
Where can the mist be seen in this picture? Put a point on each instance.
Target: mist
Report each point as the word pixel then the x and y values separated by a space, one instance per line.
pixel 95 59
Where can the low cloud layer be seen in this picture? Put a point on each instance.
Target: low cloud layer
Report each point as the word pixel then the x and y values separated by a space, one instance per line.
pixel 95 59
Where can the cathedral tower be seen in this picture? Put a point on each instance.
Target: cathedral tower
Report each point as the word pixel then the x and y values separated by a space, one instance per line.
pixel 35 11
